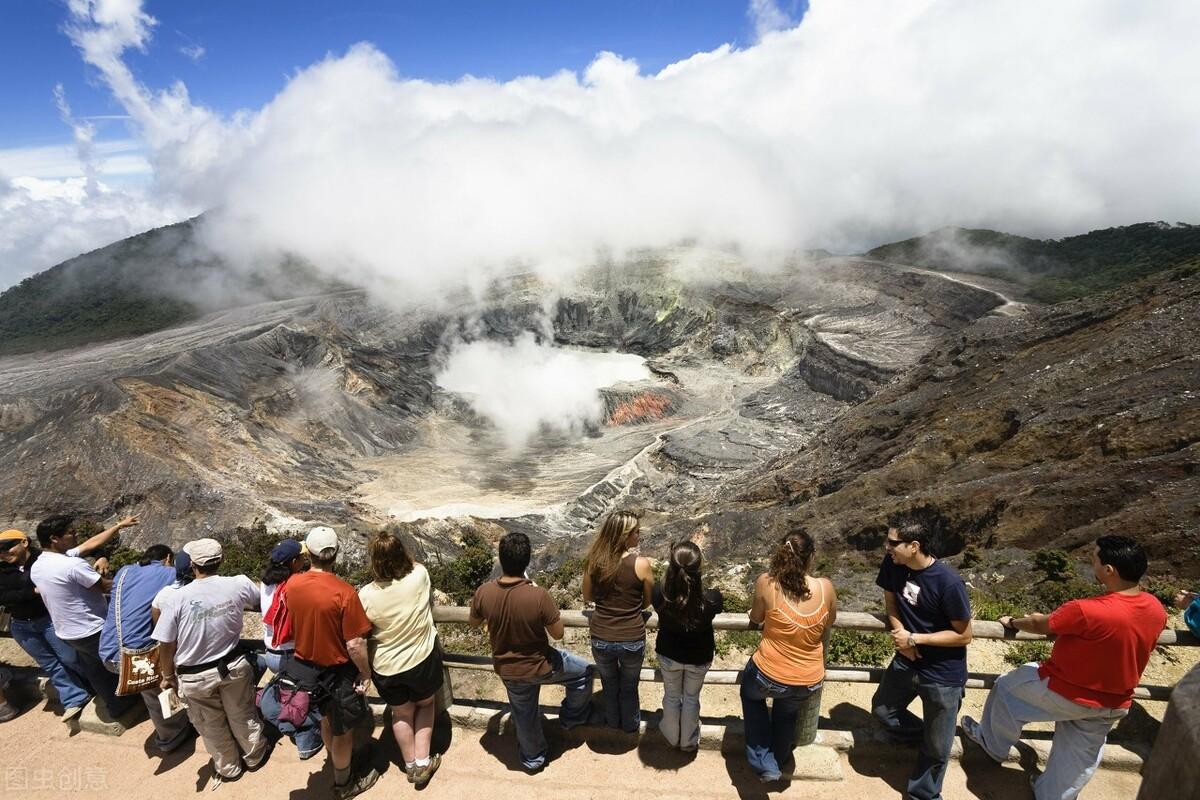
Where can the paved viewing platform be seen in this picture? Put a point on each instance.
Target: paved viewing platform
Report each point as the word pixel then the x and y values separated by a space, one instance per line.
pixel 850 759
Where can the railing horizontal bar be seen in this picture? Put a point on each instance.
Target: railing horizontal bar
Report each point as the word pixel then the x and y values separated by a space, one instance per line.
pixel 847 620
pixel 733 677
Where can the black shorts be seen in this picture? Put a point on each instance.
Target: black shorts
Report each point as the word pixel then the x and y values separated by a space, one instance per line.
pixel 411 685
pixel 345 708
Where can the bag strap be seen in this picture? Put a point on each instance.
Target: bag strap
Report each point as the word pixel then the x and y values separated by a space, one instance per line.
pixel 117 601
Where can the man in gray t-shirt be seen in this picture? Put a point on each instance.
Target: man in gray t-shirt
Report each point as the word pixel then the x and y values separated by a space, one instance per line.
pixel 199 631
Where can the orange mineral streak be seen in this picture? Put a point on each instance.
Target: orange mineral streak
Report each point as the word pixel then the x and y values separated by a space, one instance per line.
pixel 645 407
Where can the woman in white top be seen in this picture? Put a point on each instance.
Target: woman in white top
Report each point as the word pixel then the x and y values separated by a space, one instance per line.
pixel 286 559
pixel 406 663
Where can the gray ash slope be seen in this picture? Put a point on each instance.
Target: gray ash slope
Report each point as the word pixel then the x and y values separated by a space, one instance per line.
pixel 280 410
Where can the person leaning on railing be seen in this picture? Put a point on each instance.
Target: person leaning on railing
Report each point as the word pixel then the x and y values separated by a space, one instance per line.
pixel 406 662
pixel 685 643
pixel 521 618
pixel 929 616
pixel 1101 647
pixel 797 612
pixel 621 583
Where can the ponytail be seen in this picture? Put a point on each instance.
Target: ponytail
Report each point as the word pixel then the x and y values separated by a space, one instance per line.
pixel 683 587
pixel 790 563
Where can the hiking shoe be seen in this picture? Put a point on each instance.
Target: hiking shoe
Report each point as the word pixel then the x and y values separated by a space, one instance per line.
pixel 423 774
pixel 8 711
pixel 356 786
pixel 972 731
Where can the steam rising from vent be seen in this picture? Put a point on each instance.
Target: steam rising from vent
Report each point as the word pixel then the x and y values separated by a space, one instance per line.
pixel 525 388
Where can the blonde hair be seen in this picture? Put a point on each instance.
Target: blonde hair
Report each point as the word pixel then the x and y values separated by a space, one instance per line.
pixel 604 556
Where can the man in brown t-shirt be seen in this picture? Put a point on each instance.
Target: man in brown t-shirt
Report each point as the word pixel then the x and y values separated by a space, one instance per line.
pixel 330 629
pixel 519 615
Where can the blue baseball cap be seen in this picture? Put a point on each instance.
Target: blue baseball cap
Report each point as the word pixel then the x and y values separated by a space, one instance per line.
pixel 286 550
pixel 183 564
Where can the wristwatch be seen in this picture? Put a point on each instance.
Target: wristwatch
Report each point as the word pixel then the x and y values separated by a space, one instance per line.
pixel 911 641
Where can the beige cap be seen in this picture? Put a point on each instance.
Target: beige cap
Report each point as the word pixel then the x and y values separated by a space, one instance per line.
pixel 320 539
pixel 204 551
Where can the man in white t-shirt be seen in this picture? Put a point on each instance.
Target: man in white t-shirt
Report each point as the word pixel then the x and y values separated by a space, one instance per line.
pixel 200 628
pixel 73 592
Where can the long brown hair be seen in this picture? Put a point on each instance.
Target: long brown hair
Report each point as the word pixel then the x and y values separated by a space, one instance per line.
pixel 789 564
pixel 390 560
pixel 682 586
pixel 604 556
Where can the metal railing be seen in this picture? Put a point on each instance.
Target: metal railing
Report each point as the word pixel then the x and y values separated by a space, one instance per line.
pixel 846 620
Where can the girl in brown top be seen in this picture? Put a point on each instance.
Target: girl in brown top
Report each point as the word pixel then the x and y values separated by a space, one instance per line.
pixel 620 582
pixel 797 612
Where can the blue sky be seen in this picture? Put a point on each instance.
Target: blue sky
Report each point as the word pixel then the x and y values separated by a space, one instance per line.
pixel 251 46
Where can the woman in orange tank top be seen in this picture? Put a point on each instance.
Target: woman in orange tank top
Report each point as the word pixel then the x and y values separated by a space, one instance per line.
pixel 797 612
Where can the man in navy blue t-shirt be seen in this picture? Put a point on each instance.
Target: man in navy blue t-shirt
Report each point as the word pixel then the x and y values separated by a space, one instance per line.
pixel 929 616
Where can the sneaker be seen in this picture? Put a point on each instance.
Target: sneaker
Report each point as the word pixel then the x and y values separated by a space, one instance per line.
pixel 70 713
pixel 423 774
pixel 8 711
pixel 972 731
pixel 218 780
pixel 356 786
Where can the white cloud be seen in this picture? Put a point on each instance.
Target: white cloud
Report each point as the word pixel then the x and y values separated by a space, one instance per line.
pixel 193 51
pixel 768 17
pixel 869 121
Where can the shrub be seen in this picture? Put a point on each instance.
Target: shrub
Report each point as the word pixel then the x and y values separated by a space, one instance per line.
pixel 1054 564
pixel 246 551
pixel 562 575
pixel 122 557
pixel 970 557
pixel 1019 653
pixel 1164 589
pixel 989 605
pixel 859 648
pixel 461 577
pixel 1049 595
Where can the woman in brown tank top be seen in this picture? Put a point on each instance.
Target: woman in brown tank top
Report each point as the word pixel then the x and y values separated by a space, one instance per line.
pixel 620 582
pixel 797 612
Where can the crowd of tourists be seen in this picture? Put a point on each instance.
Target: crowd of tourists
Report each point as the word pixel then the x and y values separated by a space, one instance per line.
pixel 169 628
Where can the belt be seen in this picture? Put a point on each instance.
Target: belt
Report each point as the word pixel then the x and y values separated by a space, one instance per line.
pixel 275 652
pixel 219 664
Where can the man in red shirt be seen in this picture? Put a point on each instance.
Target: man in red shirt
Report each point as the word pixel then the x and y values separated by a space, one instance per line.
pixel 1086 686
pixel 330 629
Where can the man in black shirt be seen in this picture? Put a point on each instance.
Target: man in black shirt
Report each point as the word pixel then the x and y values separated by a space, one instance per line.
pixel 31 626
pixel 929 616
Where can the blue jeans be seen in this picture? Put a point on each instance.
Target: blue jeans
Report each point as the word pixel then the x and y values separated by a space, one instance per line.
pixel 103 682
pixel 682 683
pixel 575 675
pixel 771 735
pixel 58 660
pixel 901 685
pixel 619 665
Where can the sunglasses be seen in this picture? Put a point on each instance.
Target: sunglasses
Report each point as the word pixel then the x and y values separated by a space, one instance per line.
pixel 890 542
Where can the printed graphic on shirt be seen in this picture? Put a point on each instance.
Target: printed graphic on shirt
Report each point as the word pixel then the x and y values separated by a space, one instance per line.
pixel 911 593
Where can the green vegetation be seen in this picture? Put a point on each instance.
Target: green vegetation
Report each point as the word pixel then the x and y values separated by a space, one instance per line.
pixel 1055 565
pixel 1026 652
pixel 736 641
pixel 122 557
pixel 970 557
pixel 1054 270
pixel 993 604
pixel 858 648
pixel 561 576
pixel 461 577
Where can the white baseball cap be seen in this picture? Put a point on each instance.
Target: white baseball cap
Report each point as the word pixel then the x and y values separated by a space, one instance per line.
pixel 320 539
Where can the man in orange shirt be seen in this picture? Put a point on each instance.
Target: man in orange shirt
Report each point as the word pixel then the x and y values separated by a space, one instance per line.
pixel 330 629
pixel 1086 686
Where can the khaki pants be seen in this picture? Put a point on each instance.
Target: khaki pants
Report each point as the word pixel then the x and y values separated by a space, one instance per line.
pixel 223 712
